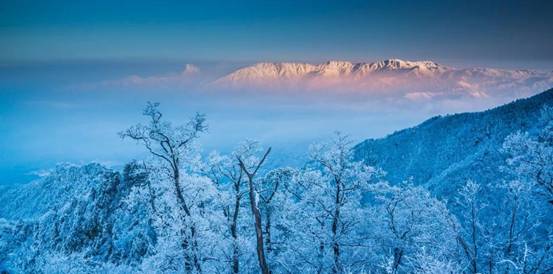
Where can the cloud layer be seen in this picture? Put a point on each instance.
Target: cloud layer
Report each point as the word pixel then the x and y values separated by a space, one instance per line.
pixel 391 80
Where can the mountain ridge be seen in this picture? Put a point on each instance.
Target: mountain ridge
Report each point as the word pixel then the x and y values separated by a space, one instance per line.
pixel 330 68
pixel 411 80
pixel 445 151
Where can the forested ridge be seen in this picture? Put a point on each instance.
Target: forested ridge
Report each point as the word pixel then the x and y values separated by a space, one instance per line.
pixel 466 193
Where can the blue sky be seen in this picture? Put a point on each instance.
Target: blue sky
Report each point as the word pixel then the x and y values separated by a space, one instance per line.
pixel 499 32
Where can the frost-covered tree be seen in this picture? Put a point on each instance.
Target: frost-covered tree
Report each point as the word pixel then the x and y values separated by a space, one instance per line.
pixel 520 239
pixel 206 216
pixel 469 233
pixel 413 228
pixel 225 172
pixel 250 164
pixel 503 229
pixel 330 210
pixel 531 159
pixel 271 192
pixel 95 227
pixel 527 232
pixel 428 263
pixel 272 195
pixel 177 214
pixel 171 145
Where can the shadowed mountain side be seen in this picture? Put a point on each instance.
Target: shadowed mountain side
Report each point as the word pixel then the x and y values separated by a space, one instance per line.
pixel 447 150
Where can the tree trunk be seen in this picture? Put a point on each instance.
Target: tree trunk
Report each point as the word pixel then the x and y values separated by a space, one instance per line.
pixel 235 258
pixel 256 214
pixel 191 261
pixel 258 230
pixel 321 256
pixel 268 230
pixel 398 255
pixel 474 261
pixel 335 245
pixel 234 232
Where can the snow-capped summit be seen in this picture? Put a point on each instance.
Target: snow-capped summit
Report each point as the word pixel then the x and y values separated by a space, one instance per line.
pixel 398 64
pixel 263 72
pixel 414 80
pixel 335 68
pixel 268 71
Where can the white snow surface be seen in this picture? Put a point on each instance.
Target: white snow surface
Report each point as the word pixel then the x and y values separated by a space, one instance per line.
pixel 412 80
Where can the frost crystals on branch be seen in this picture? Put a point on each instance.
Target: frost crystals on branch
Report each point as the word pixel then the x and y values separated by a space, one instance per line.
pixel 171 145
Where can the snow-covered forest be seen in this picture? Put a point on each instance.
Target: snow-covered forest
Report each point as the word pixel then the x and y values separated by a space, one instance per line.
pixel 178 211
pixel 276 137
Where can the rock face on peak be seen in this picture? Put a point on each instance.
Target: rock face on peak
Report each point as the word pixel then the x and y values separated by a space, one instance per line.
pixel 398 64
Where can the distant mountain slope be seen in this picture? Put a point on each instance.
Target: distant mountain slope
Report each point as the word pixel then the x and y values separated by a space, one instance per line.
pixel 290 71
pixel 76 209
pixel 445 151
pixel 31 200
pixel 412 80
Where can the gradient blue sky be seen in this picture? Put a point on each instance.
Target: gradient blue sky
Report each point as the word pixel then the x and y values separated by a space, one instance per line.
pixel 505 32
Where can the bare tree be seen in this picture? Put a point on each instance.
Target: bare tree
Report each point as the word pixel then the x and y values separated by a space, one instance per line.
pixel 250 167
pixel 171 145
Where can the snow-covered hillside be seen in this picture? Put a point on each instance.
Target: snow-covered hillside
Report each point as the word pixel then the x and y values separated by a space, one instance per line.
pixel 444 152
pixel 75 212
pixel 477 194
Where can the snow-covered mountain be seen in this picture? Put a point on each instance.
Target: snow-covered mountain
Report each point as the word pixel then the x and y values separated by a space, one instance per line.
pixel 85 210
pixel 413 80
pixel 445 151
pixel 92 219
pixel 300 71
